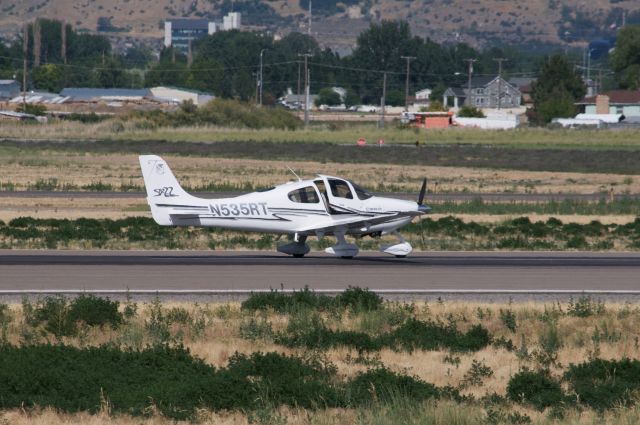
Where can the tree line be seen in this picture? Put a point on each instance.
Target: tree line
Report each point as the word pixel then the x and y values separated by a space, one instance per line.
pixel 226 64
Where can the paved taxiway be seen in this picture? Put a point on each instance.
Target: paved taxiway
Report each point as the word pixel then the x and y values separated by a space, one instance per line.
pixel 166 271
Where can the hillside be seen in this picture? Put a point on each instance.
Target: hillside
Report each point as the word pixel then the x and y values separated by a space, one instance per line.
pixel 336 24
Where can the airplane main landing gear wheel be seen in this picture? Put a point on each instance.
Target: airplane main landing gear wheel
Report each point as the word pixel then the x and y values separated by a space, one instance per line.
pixel 298 248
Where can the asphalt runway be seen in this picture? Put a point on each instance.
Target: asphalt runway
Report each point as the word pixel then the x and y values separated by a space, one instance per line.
pixel 243 271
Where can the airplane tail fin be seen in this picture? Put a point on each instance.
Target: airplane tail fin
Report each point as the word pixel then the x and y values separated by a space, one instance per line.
pixel 162 187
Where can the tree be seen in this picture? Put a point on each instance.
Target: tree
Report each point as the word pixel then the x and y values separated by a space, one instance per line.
pixel 380 48
pixel 48 77
pixel 470 112
pixel 351 98
pixel 328 96
pixel 558 84
pixel 625 59
pixel 559 105
pixel 436 106
pixel 394 98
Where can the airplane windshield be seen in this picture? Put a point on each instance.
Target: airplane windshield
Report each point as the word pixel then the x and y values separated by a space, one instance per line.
pixel 361 192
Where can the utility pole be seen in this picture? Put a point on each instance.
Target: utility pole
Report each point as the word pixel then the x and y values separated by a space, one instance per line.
pixel 470 63
pixel 406 86
pixel 298 98
pixel 63 43
pixel 257 74
pixel 25 49
pixel 309 27
pixel 499 60
pixel 189 54
pixel 37 45
pixel 261 80
pixel 307 82
pixel 382 100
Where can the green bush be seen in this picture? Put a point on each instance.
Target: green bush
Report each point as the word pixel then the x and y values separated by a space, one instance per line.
pixel 276 379
pixel 537 388
pixel 221 112
pixel 603 384
pixel 508 319
pixel 72 379
pixel 358 299
pixel 585 306
pixel 381 384
pixel 287 303
pixel 470 112
pixel 61 317
pixel 415 334
pixel 95 311
pixel 310 332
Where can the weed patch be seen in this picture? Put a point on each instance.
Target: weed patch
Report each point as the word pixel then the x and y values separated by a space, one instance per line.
pixel 537 388
pixel 603 384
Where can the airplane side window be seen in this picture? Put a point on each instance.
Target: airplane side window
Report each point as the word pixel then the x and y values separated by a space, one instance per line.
pixel 305 195
pixel 340 189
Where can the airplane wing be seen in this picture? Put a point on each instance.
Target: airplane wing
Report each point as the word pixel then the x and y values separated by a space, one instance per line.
pixel 358 222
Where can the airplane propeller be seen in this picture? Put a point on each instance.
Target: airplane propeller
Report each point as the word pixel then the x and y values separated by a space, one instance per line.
pixel 423 190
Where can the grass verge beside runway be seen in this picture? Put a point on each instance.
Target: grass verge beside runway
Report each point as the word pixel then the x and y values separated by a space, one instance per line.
pixel 446 233
pixel 305 358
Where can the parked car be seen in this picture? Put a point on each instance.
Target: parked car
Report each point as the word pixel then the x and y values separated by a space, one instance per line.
pixel 367 108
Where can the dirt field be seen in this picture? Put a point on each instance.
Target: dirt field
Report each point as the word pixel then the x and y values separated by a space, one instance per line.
pixel 58 171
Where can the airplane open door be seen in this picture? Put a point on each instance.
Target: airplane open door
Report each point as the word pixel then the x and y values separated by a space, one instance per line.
pixel 339 195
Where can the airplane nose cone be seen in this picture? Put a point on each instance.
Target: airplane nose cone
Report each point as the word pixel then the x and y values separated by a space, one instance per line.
pixel 424 209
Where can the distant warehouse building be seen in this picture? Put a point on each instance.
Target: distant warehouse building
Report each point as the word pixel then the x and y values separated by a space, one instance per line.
pixel 179 32
pixel 8 89
pixel 86 94
pixel 176 96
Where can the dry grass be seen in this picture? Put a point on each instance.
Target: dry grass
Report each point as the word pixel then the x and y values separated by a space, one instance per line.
pixel 221 337
pixel 24 170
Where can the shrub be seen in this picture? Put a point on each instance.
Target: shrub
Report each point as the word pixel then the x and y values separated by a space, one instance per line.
pixel 415 334
pixel 309 331
pixel 53 313
pixel 470 112
pixel 475 375
pixel 585 306
pixel 603 384
pixel 283 303
pixel 550 345
pixel 72 379
pixel 60 317
pixel 508 319
pixel 358 299
pixel 537 388
pixel 95 311
pixel 278 379
pixel 381 384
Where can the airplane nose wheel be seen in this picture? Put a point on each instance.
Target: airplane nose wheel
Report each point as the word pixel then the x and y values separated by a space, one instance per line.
pixel 399 250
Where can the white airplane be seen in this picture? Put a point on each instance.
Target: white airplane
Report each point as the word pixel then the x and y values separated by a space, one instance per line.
pixel 324 206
